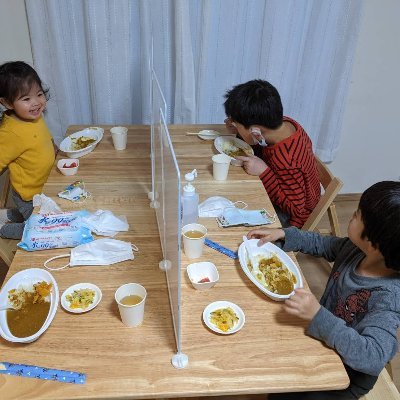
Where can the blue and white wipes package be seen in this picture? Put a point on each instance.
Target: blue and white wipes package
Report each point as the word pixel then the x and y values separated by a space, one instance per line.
pixel 55 231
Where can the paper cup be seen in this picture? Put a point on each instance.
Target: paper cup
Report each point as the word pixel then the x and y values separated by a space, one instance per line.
pixel 193 240
pixel 131 315
pixel 221 164
pixel 119 136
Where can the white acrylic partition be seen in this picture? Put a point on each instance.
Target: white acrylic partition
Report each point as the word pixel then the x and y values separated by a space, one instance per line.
pixel 167 204
pixel 158 106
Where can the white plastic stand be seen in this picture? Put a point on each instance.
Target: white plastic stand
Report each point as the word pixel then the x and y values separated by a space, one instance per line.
pixel 150 196
pixel 180 360
pixel 164 265
pixel 153 203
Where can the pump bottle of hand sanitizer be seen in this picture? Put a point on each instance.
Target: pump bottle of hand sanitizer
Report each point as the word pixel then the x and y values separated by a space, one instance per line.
pixel 190 200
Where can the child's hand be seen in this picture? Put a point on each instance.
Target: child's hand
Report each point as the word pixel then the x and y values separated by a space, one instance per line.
pixel 303 304
pixel 266 235
pixel 231 128
pixel 253 165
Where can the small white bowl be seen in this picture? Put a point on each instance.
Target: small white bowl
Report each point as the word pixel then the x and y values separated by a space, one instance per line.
pixel 68 170
pixel 202 270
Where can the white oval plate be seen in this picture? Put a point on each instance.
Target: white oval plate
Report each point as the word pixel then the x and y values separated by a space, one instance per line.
pixel 223 304
pixel 207 134
pixel 96 300
pixel 28 277
pixel 268 250
pixel 221 142
pixel 93 132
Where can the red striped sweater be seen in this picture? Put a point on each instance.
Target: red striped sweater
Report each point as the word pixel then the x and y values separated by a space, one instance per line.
pixel 291 179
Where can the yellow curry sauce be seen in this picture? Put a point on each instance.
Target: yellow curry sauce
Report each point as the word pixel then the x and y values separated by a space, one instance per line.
pixel 27 321
pixel 31 309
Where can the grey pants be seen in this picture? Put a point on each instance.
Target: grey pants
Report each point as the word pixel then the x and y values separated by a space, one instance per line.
pixel 17 216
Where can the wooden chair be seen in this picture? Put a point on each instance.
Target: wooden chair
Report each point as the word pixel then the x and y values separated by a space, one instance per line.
pixel 8 247
pixel 331 186
pixel 5 188
pixel 384 389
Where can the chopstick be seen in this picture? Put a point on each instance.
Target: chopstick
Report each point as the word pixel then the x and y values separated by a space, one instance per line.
pixel 192 133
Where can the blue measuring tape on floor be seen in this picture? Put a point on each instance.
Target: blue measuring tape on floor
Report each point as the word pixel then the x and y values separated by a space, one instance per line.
pixel 221 249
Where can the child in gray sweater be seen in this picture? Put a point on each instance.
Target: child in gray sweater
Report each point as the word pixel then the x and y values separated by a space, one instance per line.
pixel 359 313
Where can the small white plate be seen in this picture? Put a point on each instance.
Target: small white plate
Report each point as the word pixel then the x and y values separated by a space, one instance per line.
pixel 223 304
pixel 97 297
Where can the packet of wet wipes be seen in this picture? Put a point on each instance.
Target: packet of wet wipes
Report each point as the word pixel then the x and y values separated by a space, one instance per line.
pixel 75 192
pixel 233 216
pixel 54 231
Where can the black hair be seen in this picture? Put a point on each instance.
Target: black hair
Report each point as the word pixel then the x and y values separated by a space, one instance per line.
pixel 380 213
pixel 256 102
pixel 16 79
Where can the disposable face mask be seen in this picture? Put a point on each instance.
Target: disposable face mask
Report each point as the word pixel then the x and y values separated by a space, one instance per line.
pixel 75 192
pixel 257 136
pixel 235 216
pixel 47 205
pixel 105 223
pixel 215 205
pixel 99 252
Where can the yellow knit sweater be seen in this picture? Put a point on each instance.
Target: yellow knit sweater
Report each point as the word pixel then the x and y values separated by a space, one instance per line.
pixel 27 149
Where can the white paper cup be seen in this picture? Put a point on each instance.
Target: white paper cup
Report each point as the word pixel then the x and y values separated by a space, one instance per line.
pixel 119 136
pixel 193 247
pixel 131 315
pixel 221 164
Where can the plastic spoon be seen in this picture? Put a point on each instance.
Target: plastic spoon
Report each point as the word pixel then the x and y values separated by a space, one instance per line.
pixel 6 306
pixel 254 262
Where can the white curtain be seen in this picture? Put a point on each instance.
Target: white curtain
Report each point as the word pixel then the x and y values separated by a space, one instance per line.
pixel 94 55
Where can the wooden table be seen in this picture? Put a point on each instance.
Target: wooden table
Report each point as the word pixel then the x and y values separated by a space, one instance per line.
pixel 270 354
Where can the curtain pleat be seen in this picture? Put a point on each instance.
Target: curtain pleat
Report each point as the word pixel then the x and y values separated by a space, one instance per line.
pixel 94 55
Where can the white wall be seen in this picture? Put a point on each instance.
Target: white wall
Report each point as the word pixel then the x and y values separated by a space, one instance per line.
pixel 370 144
pixel 370 141
pixel 14 34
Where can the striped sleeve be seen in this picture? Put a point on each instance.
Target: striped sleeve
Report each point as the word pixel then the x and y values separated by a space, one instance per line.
pixel 292 181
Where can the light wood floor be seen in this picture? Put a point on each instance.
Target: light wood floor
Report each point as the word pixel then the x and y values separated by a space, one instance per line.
pixel 316 272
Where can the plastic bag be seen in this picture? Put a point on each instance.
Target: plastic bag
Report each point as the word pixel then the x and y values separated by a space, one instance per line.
pixel 55 231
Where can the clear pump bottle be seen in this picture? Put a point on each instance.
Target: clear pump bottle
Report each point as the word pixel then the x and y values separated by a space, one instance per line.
pixel 190 200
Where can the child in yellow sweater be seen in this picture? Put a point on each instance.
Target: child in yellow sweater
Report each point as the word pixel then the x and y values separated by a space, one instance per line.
pixel 26 144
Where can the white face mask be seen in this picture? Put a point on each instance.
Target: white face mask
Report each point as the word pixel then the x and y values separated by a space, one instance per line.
pixel 105 223
pixel 214 206
pixel 234 216
pixel 98 252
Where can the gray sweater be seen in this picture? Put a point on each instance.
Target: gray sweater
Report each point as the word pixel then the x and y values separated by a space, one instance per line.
pixel 360 315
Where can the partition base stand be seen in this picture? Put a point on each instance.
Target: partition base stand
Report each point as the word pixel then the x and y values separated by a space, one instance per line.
pixel 153 202
pixel 180 360
pixel 164 265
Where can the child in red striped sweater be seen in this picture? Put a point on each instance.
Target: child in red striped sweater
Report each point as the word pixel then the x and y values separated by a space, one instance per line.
pixel 284 158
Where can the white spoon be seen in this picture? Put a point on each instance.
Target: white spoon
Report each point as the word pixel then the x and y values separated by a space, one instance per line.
pixel 253 261
pixel 6 306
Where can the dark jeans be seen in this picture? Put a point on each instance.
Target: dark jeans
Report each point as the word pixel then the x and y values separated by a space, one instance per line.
pixel 17 216
pixel 360 384
pixel 283 218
